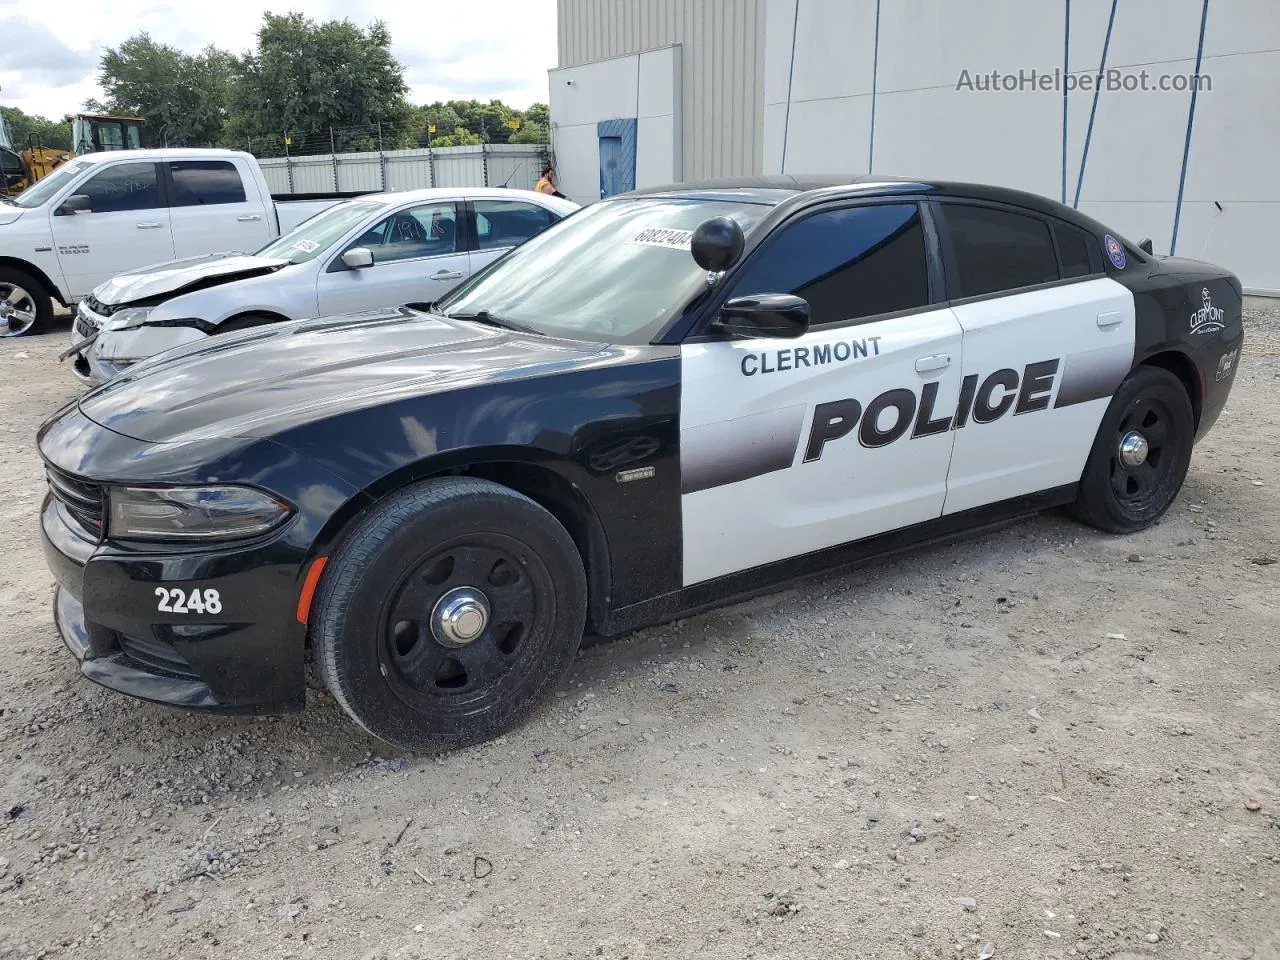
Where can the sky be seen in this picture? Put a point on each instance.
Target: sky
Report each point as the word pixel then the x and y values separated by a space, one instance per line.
pixel 451 49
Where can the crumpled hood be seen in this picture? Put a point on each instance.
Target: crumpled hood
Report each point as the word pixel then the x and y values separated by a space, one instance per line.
pixel 261 382
pixel 179 276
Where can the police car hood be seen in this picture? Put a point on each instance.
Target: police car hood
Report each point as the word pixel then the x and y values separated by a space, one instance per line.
pixel 263 381
pixel 182 276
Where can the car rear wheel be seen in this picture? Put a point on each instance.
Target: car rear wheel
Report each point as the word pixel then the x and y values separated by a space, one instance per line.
pixel 1141 454
pixel 24 303
pixel 448 613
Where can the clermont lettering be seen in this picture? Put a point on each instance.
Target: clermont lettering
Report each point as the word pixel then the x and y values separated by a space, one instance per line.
pixel 818 355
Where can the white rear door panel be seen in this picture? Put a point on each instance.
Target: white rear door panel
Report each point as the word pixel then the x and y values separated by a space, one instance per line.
pixel 1040 368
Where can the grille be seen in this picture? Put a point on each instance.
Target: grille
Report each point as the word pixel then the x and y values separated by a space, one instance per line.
pixel 156 656
pixel 83 501
pixel 97 306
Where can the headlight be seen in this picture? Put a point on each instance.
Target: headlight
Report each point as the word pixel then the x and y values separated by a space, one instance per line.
pixel 129 319
pixel 192 513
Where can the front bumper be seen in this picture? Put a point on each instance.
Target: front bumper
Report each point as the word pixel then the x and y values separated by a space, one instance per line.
pixel 114 351
pixel 248 658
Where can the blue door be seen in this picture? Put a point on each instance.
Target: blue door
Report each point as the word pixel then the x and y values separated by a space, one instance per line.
pixel 617 156
pixel 610 166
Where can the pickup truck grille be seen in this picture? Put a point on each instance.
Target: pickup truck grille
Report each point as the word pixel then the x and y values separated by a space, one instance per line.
pixel 84 502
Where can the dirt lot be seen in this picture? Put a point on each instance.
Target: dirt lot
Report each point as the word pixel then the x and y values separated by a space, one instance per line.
pixel 1048 740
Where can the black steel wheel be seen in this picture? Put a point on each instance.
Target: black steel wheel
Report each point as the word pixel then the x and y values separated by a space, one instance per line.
pixel 1141 454
pixel 449 611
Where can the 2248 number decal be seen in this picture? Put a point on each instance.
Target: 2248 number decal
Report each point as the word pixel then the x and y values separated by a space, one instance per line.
pixel 179 601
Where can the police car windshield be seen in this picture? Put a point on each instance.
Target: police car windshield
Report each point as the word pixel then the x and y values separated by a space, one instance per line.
pixel 615 272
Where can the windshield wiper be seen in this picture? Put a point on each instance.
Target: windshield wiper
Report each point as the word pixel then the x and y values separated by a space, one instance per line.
pixel 489 320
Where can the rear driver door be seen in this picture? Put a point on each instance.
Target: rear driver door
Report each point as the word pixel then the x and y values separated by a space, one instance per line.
pixel 789 446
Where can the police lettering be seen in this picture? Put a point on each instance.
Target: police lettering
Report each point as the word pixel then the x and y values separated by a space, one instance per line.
pixel 818 355
pixel 891 414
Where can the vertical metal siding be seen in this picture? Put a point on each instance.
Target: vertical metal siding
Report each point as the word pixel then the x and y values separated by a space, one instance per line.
pixel 722 68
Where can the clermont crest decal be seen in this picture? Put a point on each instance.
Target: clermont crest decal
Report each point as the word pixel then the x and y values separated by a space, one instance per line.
pixel 1115 251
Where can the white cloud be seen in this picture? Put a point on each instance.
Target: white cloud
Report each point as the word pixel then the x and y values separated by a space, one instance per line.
pixel 451 49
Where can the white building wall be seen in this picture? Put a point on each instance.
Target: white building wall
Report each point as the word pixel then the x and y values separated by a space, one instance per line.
pixel 819 103
pixel 644 86
pixel 719 133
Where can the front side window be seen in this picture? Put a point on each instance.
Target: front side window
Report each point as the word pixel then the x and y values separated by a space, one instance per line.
pixel 313 237
pixel 998 250
pixel 201 182
pixel 508 223
pixel 125 186
pixel 430 230
pixel 615 272
pixel 848 264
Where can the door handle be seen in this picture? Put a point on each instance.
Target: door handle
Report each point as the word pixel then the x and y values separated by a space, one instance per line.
pixel 1110 319
pixel 937 361
pixel 447 275
pixel 150 225
pixel 249 217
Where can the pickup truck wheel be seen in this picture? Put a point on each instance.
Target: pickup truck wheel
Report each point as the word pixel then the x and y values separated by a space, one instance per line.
pixel 25 305
pixel 451 609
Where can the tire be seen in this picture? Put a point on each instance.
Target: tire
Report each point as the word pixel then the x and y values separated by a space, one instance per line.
pixel 25 304
pixel 246 321
pixel 387 655
pixel 1117 494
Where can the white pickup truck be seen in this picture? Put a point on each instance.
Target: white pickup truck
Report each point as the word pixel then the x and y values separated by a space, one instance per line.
pixel 105 214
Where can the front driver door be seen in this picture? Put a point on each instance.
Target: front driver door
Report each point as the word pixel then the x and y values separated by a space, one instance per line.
pixel 788 446
pixel 127 228
pixel 418 257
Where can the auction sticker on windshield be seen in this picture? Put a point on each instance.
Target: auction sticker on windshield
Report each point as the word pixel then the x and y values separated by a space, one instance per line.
pixel 306 246
pixel 664 237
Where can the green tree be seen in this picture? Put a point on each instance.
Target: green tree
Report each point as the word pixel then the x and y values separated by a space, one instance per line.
pixel 538 113
pixel 531 132
pixel 460 137
pixel 184 97
pixel 26 130
pixel 306 78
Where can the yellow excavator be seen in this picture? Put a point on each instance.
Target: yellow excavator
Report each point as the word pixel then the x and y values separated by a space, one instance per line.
pixel 21 166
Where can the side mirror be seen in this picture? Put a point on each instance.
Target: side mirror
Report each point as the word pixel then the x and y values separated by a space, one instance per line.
pixel 78 203
pixel 1145 245
pixel 357 258
pixel 717 244
pixel 764 315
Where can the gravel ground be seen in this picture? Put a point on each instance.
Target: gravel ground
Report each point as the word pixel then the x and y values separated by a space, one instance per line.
pixel 1044 741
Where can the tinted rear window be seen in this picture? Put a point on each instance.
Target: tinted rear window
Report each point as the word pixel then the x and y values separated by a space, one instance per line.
pixel 998 250
pixel 201 182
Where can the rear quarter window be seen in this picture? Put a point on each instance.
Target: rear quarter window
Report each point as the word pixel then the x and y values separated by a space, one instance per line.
pixel 1074 250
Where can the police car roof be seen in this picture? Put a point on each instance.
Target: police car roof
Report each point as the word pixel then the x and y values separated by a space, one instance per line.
pixel 772 190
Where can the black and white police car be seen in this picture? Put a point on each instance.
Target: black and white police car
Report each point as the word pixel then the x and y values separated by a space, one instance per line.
pixel 671 399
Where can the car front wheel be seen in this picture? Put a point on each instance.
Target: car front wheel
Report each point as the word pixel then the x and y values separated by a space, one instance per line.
pixel 1141 454
pixel 450 610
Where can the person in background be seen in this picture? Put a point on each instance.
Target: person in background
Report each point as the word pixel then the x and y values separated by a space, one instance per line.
pixel 546 183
